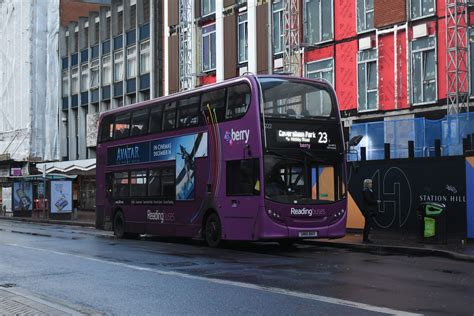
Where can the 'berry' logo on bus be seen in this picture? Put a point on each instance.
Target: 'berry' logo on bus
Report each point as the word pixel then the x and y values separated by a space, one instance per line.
pixel 232 136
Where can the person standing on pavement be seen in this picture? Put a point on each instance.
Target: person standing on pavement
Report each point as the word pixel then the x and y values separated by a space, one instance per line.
pixel 369 210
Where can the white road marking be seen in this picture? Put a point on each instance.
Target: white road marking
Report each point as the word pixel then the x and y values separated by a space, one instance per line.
pixel 313 297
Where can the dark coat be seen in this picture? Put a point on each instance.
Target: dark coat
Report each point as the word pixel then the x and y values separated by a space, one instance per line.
pixel 370 202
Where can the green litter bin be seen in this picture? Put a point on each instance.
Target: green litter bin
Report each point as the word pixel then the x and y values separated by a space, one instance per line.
pixel 432 222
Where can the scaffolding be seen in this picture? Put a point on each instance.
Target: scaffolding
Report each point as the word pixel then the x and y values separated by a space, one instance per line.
pixel 291 38
pixel 457 56
pixel 186 78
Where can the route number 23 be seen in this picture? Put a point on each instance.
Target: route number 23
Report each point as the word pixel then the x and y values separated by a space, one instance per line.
pixel 323 137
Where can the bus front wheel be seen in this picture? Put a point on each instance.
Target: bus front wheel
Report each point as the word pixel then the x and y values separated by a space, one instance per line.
pixel 212 231
pixel 119 225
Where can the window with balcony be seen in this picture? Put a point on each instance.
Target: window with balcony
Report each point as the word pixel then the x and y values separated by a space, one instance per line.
pixel 209 47
pixel 365 15
pixel 421 8
pixel 145 60
pixel 319 21
pixel 118 66
pixel 242 35
pixel 277 31
pixel 131 62
pixel 367 79
pixel 423 70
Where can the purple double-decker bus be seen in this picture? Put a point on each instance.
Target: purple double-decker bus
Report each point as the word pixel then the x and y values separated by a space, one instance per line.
pixel 252 158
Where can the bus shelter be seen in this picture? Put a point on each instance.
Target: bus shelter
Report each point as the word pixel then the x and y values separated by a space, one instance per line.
pixel 42 196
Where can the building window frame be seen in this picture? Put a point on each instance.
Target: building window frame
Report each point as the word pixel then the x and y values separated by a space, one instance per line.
pixel 106 70
pixel 413 15
pixel 242 37
pixel 145 60
pixel 208 7
pixel 367 61
pixel 118 66
pixel 132 62
pixel 65 83
pixel 75 81
pixel 423 52
pixel 94 74
pixel 327 66
pixel 277 22
pixel 84 77
pixel 209 53
pixel 322 17
pixel 364 12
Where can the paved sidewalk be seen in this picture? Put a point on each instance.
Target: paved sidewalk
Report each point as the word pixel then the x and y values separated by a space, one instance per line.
pixel 383 242
pixel 398 243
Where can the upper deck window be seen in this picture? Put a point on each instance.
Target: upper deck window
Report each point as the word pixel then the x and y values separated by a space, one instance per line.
pixel 295 100
pixel 122 126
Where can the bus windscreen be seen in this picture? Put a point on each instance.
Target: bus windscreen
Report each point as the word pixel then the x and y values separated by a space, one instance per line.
pixel 295 99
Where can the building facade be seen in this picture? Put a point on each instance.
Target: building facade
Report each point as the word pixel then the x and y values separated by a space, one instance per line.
pixel 28 86
pixel 386 59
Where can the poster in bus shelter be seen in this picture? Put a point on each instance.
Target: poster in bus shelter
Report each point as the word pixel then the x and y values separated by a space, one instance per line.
pixel 61 196
pixel 22 196
pixel 187 149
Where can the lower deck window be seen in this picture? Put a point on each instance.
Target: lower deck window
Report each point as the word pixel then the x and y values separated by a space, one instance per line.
pixel 243 177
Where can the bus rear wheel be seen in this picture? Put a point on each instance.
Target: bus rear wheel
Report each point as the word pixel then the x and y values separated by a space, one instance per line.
pixel 212 231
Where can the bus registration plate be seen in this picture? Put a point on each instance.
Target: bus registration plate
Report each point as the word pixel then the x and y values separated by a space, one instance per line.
pixel 308 234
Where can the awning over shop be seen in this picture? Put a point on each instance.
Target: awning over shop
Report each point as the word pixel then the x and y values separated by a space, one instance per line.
pixel 39 177
pixel 74 167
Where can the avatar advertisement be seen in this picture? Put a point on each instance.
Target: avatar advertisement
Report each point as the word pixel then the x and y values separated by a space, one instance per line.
pixel 22 196
pixel 61 197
